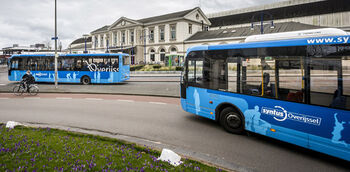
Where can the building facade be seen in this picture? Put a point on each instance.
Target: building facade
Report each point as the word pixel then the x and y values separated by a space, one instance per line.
pixel 234 26
pixel 322 13
pixel 151 40
pixel 80 45
pixel 160 38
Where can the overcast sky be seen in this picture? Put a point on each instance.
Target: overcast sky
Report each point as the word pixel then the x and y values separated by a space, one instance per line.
pixel 27 22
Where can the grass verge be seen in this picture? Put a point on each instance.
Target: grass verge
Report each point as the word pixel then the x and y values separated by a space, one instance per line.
pixel 45 149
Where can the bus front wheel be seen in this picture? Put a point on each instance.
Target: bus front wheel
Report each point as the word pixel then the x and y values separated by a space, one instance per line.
pixel 85 80
pixel 232 121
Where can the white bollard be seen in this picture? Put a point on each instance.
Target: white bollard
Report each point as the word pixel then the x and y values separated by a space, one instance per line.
pixel 11 124
pixel 171 157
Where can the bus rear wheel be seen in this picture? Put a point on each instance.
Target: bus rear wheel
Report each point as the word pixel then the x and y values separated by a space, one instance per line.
pixel 232 121
pixel 85 80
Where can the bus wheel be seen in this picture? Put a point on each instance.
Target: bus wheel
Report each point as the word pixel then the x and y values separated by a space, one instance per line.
pixel 85 80
pixel 231 120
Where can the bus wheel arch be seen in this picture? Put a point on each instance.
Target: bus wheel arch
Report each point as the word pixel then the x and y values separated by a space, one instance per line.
pixel 230 118
pixel 85 80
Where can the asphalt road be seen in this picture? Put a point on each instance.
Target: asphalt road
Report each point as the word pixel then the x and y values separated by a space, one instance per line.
pixel 162 120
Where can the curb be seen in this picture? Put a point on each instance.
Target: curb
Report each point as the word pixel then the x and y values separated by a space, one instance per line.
pixel 128 94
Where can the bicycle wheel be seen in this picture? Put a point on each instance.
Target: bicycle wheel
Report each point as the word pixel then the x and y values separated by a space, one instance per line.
pixel 18 90
pixel 33 90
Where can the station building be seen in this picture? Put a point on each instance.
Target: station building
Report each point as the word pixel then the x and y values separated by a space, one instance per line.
pixel 156 39
pixel 151 40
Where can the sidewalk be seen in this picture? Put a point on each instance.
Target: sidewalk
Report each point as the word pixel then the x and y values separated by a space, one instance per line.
pixel 165 89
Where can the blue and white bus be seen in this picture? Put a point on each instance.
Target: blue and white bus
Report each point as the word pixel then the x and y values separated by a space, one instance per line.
pixel 72 68
pixel 293 89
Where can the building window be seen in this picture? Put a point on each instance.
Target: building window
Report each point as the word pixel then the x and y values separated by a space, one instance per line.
pixel 151 34
pixel 115 38
pixel 172 32
pixel 161 33
pixel 132 36
pixel 152 55
pixel 96 41
pixel 162 55
pixel 189 28
pixel 173 50
pixel 123 37
pixel 102 42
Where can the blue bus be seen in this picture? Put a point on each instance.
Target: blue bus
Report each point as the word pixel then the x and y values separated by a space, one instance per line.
pixel 294 90
pixel 72 68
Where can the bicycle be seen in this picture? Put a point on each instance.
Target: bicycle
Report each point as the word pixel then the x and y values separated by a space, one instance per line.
pixel 19 89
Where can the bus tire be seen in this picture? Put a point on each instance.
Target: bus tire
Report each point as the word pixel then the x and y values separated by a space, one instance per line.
pixel 232 121
pixel 85 80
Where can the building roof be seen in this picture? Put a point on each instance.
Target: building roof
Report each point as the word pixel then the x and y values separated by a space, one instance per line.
pixel 282 10
pixel 166 16
pixel 81 40
pixel 102 29
pixel 246 31
pixel 81 46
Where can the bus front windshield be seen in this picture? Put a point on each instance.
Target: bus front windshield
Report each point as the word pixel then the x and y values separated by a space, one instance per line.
pixel 126 60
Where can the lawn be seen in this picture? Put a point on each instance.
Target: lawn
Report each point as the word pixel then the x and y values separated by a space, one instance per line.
pixel 45 149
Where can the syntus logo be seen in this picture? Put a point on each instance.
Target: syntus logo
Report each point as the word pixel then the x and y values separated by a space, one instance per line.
pixel 93 68
pixel 280 114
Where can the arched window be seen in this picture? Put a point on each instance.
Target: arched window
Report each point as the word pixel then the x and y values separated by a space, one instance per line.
pixel 162 55
pixel 152 55
pixel 173 51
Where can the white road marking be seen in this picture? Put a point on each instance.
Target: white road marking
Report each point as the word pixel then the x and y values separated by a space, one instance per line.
pixel 3 84
pixel 93 99
pixel 64 98
pixel 130 101
pixel 158 103
pixel 4 98
pixel 32 98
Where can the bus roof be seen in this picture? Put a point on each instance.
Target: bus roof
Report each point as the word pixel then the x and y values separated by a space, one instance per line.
pixel 52 55
pixel 343 39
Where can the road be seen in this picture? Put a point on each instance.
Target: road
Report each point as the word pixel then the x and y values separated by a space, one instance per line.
pixel 162 120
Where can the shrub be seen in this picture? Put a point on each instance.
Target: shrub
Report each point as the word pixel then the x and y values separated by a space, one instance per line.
pixel 178 68
pixel 136 67
pixel 157 66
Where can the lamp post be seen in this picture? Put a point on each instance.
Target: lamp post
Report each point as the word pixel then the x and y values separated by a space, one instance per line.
pixel 132 51
pixel 144 37
pixel 262 22
pixel 86 36
pixel 56 55
pixel 107 42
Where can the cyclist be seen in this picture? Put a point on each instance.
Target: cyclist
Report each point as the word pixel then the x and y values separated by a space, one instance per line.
pixel 27 80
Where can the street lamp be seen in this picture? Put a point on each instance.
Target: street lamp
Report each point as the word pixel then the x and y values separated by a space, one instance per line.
pixel 86 36
pixel 262 22
pixel 56 55
pixel 107 41
pixel 144 36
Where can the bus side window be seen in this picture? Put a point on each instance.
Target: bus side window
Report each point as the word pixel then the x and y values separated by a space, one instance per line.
pixel 115 62
pixel 258 76
pixel 327 82
pixel 290 79
pixel 85 62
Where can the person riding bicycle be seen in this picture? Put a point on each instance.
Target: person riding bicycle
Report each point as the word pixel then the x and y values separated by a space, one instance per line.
pixel 27 80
